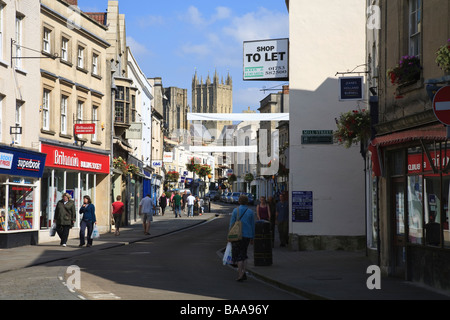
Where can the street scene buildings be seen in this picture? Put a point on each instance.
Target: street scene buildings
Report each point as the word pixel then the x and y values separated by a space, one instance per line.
pixel 355 136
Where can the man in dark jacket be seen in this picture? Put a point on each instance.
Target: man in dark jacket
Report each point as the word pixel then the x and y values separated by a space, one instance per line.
pixel 65 216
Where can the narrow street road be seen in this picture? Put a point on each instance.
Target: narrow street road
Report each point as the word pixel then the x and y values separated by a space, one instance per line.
pixel 181 266
pixel 185 265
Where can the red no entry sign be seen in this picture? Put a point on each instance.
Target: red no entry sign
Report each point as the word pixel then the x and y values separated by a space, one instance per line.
pixel 441 105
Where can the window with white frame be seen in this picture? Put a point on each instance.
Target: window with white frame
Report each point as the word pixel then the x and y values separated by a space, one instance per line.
pixel 46 110
pixel 95 64
pixel 65 49
pixel 64 100
pixel 95 122
pixel 415 21
pixel 18 40
pixel 80 57
pixel 46 45
pixel 80 106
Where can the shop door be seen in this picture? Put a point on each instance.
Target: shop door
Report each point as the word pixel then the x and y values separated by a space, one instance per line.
pixel 398 223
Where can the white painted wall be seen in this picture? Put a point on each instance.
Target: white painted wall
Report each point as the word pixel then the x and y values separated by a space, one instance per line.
pixel 325 37
pixel 144 99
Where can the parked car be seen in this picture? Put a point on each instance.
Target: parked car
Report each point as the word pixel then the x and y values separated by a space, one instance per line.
pixel 229 199
pixel 251 200
pixel 223 197
pixel 235 197
pixel 212 195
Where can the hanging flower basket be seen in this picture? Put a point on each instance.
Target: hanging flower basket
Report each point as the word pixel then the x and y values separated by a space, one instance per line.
pixel 172 176
pixel 203 170
pixel 408 70
pixel 192 165
pixel 133 169
pixel 352 127
pixel 443 57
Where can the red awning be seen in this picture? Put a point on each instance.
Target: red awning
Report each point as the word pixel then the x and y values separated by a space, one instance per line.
pixel 433 133
pixel 430 133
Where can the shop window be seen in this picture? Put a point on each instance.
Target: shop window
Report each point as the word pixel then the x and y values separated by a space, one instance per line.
pixel 432 211
pixel 446 195
pixel 415 212
pixel 16 212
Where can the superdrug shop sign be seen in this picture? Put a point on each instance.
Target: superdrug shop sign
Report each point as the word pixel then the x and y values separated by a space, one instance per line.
pixel 64 158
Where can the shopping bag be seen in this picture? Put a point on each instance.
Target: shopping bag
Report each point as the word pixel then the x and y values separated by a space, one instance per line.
pixel 52 231
pixel 95 233
pixel 227 258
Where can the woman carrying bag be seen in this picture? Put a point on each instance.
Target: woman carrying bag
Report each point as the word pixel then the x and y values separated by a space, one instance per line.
pixel 65 216
pixel 239 247
pixel 88 221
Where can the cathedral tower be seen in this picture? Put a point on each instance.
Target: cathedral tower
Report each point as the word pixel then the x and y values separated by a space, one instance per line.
pixel 212 97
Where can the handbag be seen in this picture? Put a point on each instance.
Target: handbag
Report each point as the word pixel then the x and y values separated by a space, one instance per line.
pixel 227 257
pixel 95 233
pixel 235 233
pixel 52 231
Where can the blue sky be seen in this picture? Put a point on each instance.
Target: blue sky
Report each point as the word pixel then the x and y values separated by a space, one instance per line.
pixel 173 39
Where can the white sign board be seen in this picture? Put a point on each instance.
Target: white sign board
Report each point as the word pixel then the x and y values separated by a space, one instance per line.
pixel 266 60
pixel 168 157
pixel 134 131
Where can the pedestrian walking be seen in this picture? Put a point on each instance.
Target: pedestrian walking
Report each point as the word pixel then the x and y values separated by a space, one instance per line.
pixel 273 210
pixel 184 201
pixel 163 202
pixel 239 248
pixel 87 222
pixel 177 204
pixel 65 216
pixel 282 217
pixel 146 208
pixel 117 209
pixel 263 210
pixel 190 204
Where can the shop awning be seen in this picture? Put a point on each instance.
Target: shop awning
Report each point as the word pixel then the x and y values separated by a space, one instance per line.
pixel 431 133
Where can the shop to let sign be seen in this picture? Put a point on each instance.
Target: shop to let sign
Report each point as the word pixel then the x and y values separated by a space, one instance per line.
pixel 266 59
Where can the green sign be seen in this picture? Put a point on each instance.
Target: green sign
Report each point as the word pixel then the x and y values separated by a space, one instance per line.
pixel 317 137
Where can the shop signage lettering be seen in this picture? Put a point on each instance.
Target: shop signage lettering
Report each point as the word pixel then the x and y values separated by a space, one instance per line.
pixel 415 164
pixel 74 159
pixel 62 159
pixel 29 164
pixel 6 160
pixel 266 59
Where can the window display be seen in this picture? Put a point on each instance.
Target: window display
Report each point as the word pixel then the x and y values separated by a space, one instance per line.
pixel 16 207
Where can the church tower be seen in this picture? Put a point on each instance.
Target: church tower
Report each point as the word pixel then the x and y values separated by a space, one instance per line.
pixel 212 97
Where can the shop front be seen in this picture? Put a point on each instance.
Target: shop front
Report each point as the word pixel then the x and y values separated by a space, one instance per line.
pixel 20 171
pixel 78 173
pixel 414 193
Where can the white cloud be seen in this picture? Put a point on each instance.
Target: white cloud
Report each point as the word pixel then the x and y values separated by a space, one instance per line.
pixel 196 18
pixel 137 48
pixel 151 21
pixel 259 25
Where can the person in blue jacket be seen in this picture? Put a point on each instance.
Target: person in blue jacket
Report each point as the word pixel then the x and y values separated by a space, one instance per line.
pixel 239 248
pixel 87 221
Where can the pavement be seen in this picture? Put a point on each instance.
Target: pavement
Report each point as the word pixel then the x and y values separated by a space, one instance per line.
pixel 316 275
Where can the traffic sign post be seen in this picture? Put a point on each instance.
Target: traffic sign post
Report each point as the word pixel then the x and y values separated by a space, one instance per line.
pixel 441 107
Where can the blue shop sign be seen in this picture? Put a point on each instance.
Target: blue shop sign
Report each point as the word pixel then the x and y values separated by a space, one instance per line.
pixel 20 162
pixel 351 88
